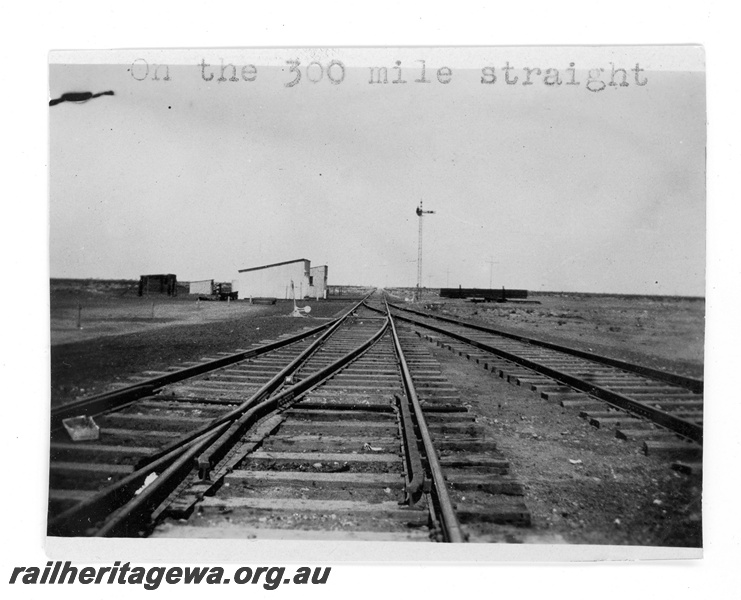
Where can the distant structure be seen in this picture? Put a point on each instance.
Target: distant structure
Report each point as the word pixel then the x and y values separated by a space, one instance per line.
pixel 224 291
pixel 274 281
pixel 204 286
pixel 158 284
pixel 347 292
pixel 318 281
pixel 489 295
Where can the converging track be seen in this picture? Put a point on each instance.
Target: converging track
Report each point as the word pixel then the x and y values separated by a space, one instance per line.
pixel 663 410
pixel 348 429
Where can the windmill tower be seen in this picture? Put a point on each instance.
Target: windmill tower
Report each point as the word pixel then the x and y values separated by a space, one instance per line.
pixel 420 213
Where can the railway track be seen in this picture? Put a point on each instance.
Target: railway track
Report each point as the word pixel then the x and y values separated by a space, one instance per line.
pixel 146 426
pixel 348 429
pixel 661 410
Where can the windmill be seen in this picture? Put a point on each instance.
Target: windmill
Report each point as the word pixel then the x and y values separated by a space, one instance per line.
pixel 420 213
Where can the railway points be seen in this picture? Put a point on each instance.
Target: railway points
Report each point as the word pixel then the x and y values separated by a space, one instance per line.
pixel 352 429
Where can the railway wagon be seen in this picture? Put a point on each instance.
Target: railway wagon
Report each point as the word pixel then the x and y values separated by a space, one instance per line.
pixel 158 284
pixel 490 295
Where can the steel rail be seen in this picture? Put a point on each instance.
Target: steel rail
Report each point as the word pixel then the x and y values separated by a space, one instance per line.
pixel 681 426
pixel 76 520
pixel 266 389
pixel 204 454
pixel 131 516
pixel 416 482
pixel 690 383
pixel 221 446
pixel 117 399
pixel 451 527
pixel 82 516
pixel 415 474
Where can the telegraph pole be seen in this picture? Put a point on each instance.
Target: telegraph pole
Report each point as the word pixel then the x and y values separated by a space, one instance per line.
pixel 491 262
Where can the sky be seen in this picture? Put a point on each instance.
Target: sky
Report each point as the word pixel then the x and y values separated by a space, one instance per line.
pixel 538 187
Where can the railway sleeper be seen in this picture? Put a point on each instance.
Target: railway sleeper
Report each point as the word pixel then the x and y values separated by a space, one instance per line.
pixel 362 440
pixel 601 413
pixel 61 500
pixel 171 393
pixel 688 467
pixel 458 429
pixel 215 386
pixel 490 484
pixel 385 406
pixel 323 462
pixel 449 443
pixel 624 421
pixel 624 433
pixel 148 422
pixel 134 437
pixel 348 480
pixel 174 407
pixel 349 402
pixel 95 453
pixel 493 462
pixel 382 488
pixel 674 450
pixel 439 407
pixel 383 381
pixel 85 476
pixel 357 515
pixel 239 378
pixel 180 504
pixel 583 402
pixel 668 404
pixel 505 510
pixel 438 399
pixel 332 414
pixel 631 426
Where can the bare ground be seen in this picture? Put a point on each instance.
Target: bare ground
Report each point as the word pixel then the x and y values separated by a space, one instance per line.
pixel 583 485
pixel 119 338
pixel 665 333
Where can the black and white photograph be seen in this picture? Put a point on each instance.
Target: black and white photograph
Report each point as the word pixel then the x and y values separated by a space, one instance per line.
pixel 367 300
pixel 439 296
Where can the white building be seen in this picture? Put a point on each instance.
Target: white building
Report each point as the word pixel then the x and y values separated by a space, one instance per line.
pixel 204 286
pixel 274 281
pixel 318 282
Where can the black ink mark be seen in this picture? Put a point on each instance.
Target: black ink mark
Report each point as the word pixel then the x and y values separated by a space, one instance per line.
pixel 78 97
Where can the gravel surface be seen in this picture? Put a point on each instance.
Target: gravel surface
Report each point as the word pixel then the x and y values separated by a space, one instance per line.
pixel 666 333
pixel 583 485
